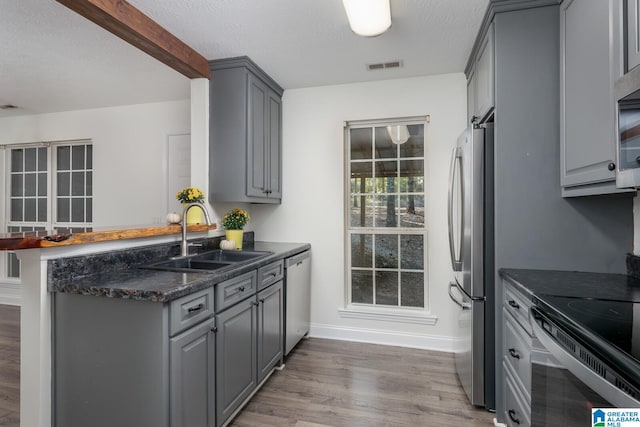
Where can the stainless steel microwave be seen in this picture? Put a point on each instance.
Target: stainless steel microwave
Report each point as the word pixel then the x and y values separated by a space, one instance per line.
pixel 627 95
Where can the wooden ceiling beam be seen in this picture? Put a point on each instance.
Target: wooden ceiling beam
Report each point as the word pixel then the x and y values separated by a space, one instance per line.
pixel 136 28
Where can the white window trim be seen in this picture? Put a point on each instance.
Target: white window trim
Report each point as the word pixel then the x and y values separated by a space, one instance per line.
pixel 417 315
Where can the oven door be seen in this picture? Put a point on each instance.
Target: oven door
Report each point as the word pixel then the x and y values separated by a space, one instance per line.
pixel 564 388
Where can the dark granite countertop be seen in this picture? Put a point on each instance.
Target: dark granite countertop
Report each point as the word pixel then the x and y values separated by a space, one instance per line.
pixel 609 286
pixel 89 276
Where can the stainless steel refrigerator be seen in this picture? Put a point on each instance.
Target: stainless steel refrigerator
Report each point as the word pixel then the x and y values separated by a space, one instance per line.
pixel 471 232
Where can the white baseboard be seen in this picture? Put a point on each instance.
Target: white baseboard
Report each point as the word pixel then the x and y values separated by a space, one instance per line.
pixel 374 336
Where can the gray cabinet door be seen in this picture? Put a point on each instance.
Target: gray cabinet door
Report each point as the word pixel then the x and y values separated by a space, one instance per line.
pixel 590 62
pixel 484 75
pixel 192 377
pixel 633 34
pixel 257 184
pixel 236 340
pixel 275 146
pixel 270 328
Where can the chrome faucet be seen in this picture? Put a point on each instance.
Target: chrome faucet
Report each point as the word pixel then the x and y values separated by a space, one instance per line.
pixel 184 246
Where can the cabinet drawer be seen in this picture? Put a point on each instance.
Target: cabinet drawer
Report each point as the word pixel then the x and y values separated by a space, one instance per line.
pixel 270 274
pixel 518 306
pixel 517 410
pixel 516 353
pixel 235 290
pixel 190 310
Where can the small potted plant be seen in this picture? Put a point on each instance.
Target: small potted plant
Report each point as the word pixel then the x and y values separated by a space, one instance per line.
pixel 191 195
pixel 233 222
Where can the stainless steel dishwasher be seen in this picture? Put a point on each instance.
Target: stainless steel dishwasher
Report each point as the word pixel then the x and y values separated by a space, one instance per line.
pixel 297 298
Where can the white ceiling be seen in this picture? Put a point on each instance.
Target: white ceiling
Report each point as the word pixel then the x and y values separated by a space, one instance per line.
pixel 52 59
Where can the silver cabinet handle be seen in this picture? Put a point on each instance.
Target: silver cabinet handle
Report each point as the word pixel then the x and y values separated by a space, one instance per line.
pixel 463 305
pixel 455 263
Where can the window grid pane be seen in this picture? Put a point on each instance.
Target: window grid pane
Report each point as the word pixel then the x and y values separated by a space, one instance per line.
pixel 386 205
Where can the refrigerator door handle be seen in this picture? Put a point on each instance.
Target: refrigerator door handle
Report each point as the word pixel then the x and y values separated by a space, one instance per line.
pixel 455 262
pixel 463 305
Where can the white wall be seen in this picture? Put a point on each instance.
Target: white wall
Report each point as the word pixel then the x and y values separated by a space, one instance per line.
pixel 313 182
pixel 129 149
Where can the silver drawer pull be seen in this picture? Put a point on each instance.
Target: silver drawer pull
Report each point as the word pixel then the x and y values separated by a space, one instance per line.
pixel 514 304
pixel 196 308
pixel 514 353
pixel 512 415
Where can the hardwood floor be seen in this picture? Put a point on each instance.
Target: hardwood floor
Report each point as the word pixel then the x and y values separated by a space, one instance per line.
pixel 325 383
pixel 9 366
pixel 337 383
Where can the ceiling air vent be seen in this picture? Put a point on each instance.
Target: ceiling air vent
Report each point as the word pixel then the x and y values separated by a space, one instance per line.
pixel 8 107
pixel 384 65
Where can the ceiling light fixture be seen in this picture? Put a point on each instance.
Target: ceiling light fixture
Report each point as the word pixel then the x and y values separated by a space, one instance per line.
pixel 368 17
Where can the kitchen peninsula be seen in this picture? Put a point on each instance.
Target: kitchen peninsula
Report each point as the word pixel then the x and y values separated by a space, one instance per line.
pixel 103 263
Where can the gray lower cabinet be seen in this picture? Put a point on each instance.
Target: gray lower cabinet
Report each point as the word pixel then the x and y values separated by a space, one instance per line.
pixel 236 340
pixel 270 329
pixel 591 61
pixel 516 357
pixel 192 377
pixel 245 129
pixel 249 345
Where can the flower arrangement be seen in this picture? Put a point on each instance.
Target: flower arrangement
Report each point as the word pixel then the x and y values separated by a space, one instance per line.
pixel 235 219
pixel 190 195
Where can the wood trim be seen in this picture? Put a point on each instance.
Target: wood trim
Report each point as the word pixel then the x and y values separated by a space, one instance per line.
pixel 133 26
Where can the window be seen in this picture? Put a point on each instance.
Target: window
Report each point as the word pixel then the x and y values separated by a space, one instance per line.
pixel 386 235
pixel 49 186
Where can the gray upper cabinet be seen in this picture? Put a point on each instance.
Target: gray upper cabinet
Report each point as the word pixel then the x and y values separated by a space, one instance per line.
pixel 484 75
pixel 633 34
pixel 245 147
pixel 480 84
pixel 590 61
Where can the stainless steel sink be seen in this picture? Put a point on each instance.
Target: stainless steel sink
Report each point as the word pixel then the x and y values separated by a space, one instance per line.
pixel 230 256
pixel 207 261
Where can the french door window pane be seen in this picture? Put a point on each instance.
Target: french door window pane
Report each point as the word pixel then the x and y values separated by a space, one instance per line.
pixel 16 210
pixel 362 250
pixel 89 156
pixel 89 210
pixel 77 184
pixel 17 160
pixel 77 157
pixel 412 289
pixel 63 210
pixel 42 184
pixel 16 185
pixel 30 210
pixel 30 184
pixel 362 286
pixel 387 287
pixel 64 158
pixel 411 176
pixel 42 159
pixel 77 210
pixel 42 210
pixel 361 177
pixel 30 160
pixel 89 184
pixel 386 177
pixel 64 184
